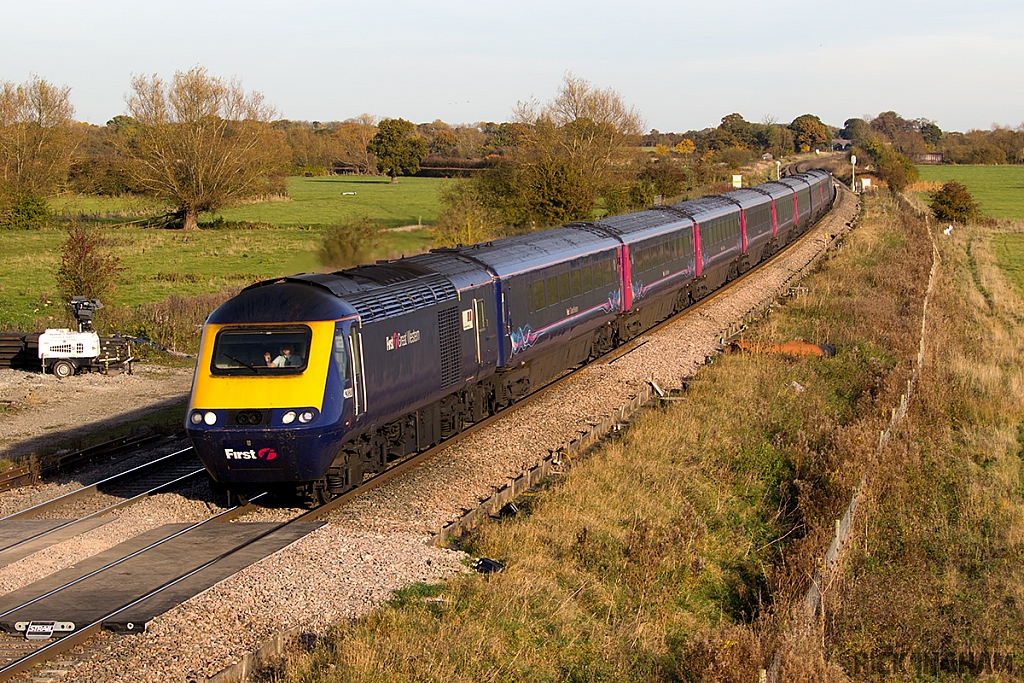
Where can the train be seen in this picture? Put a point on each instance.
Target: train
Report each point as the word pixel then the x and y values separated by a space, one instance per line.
pixel 311 382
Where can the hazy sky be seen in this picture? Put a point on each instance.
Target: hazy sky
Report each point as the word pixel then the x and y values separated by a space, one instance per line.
pixel 684 65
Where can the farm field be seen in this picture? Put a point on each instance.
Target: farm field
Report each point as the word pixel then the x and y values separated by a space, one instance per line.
pixel 326 201
pixel 161 262
pixel 999 189
pixel 312 202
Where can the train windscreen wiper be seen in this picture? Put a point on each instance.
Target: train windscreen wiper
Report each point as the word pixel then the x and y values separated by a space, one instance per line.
pixel 251 367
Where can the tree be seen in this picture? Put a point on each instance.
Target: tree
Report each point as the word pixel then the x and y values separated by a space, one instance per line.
pixel 953 202
pixel 855 130
pixel 201 142
pixel 809 133
pixel 931 133
pixel 37 143
pixel 398 150
pixel 465 220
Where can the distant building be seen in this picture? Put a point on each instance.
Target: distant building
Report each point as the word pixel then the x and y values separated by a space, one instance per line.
pixel 841 145
pixel 928 158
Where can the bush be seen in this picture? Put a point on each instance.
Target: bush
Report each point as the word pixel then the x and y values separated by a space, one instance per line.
pixel 952 202
pixel 27 212
pixel 86 267
pixel 348 244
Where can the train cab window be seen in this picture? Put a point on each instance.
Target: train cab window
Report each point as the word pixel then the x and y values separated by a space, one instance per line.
pixel 552 288
pixel 576 281
pixel 588 279
pixel 538 295
pixel 340 352
pixel 261 351
pixel 563 286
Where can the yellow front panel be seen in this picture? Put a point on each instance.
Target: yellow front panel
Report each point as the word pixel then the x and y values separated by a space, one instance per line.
pixel 211 391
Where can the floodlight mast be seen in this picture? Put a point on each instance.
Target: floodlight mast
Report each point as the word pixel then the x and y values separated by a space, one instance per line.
pixel 83 310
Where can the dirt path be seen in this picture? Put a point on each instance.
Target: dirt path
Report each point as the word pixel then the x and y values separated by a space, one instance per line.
pixel 40 412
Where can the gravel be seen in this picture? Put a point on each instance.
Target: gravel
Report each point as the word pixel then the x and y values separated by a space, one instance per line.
pixel 381 541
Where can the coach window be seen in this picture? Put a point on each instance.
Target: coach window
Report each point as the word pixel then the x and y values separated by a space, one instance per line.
pixel 576 282
pixel 588 279
pixel 598 281
pixel 563 286
pixel 538 295
pixel 552 290
pixel 609 273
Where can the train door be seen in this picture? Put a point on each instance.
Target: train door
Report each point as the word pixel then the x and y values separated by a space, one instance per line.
pixel 480 323
pixel 358 370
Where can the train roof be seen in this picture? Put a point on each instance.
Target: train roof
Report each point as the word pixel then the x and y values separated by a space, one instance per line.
pixel 706 208
pixel 633 227
pixel 748 197
pixel 379 290
pixel 512 255
pixel 776 189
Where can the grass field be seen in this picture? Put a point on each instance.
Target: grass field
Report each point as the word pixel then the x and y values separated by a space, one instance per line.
pixel 999 189
pixel 330 200
pixel 317 201
pixel 162 262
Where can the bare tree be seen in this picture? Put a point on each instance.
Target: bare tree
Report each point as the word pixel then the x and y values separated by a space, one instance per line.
pixel 37 139
pixel 202 142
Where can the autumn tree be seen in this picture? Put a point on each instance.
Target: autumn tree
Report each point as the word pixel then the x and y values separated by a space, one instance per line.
pixel 566 152
pixel 398 149
pixel 809 133
pixel 37 145
pixel 201 142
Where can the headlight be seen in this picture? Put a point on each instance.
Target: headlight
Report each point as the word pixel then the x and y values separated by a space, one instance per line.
pixel 288 417
pixel 196 418
pixel 306 416
pixel 210 418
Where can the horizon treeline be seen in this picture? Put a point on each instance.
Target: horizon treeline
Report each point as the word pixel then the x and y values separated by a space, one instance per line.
pixel 589 143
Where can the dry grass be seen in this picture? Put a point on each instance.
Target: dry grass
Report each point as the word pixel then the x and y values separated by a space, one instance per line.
pixel 934 585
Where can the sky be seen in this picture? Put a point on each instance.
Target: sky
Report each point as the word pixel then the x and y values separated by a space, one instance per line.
pixel 683 65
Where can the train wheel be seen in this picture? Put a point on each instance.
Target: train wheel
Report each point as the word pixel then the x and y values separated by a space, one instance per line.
pixel 320 492
pixel 63 369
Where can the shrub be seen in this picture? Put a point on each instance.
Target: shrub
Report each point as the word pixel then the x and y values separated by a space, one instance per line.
pixel 952 202
pixel 86 267
pixel 27 212
pixel 348 243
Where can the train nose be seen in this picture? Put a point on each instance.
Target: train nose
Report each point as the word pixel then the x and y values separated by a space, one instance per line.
pixel 263 456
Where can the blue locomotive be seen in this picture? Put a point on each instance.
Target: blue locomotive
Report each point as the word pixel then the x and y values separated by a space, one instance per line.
pixel 314 380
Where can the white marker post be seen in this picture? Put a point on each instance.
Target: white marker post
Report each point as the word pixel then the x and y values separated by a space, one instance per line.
pixel 853 172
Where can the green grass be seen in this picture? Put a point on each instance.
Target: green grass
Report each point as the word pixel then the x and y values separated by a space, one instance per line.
pixel 999 189
pixel 322 201
pixel 163 262
pixel 1008 249
pixel 75 205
